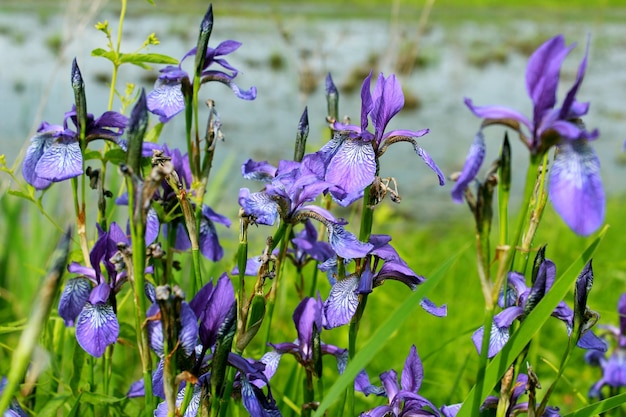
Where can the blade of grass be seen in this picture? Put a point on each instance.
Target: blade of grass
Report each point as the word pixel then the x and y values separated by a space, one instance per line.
pixel 383 335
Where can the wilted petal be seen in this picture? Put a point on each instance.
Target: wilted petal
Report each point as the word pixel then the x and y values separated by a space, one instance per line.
pixel 471 167
pixel 353 166
pixel 575 187
pixel 413 372
pixel 62 160
pixel 73 299
pixel 97 328
pixel 341 303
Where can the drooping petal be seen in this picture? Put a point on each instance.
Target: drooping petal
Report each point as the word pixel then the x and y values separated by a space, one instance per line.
pixel 340 354
pixel 431 164
pixel 433 309
pixel 413 372
pixel 497 112
pixel 362 384
pixel 472 165
pixel 258 171
pixel 345 244
pixel 575 187
pixel 97 328
pixel 353 166
pixel 62 160
pixel 499 337
pixel 166 100
pixel 38 145
pixel 590 341
pixel 260 205
pixel 341 303
pixel 73 299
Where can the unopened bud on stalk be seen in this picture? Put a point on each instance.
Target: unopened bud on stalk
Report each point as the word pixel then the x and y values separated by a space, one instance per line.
pixel 78 85
pixel 332 99
pixel 301 136
pixel 137 126
pixel 203 40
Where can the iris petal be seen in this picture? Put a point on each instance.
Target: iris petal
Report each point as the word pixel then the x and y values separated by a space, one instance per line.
pixel 471 167
pixel 575 187
pixel 62 160
pixel 353 166
pixel 341 303
pixel 97 328
pixel 75 295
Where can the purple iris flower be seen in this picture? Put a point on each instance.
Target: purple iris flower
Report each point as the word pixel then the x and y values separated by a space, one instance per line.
pixel 575 186
pixel 519 302
pixel 404 400
pixel 613 368
pixel 381 263
pixel 515 409
pixel 351 156
pixel 89 300
pixel 309 320
pixel 167 99
pixel 294 184
pixel 202 322
pixel 55 153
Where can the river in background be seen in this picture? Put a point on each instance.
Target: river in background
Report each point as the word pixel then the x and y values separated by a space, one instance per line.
pixel 287 60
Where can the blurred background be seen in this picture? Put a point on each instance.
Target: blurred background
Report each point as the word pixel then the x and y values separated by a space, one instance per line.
pixel 442 51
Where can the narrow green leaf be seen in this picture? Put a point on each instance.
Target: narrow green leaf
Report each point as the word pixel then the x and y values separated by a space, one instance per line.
pixel 599 407
pixel 383 334
pixel 530 326
pixel 20 194
pixel 76 407
pixel 78 361
pixel 52 407
pixel 148 59
pixel 96 398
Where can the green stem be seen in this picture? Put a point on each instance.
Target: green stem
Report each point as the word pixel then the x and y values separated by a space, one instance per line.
pixel 529 187
pixel 309 394
pixel 564 360
pixel 282 234
pixel 138 279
